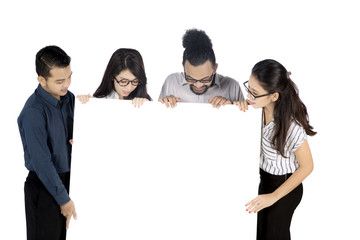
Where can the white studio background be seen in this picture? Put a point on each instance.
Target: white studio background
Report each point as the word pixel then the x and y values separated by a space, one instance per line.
pixel 318 41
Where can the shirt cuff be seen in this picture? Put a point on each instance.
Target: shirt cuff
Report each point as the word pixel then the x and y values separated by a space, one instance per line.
pixel 62 198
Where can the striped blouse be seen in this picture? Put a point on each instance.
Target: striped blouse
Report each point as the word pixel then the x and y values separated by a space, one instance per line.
pixel 270 160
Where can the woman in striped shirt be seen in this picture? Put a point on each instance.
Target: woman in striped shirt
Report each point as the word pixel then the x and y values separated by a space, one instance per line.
pixel 285 157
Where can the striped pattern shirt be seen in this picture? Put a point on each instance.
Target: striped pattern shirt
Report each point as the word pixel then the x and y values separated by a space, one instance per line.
pixel 270 160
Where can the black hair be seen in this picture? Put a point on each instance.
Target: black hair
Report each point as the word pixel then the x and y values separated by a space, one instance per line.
pixel 50 57
pixel 198 48
pixel 122 59
pixel 274 78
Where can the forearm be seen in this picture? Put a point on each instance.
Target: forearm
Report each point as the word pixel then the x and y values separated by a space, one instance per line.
pixel 39 155
pixel 292 182
pixel 53 183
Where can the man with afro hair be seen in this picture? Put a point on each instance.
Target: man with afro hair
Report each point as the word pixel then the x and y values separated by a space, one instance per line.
pixel 199 83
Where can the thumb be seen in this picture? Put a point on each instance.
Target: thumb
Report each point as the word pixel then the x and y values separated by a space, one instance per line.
pixel 68 222
pixel 75 215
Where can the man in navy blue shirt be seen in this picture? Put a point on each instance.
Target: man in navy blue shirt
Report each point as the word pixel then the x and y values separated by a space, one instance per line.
pixel 46 128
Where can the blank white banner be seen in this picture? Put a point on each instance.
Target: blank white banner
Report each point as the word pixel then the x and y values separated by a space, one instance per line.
pixel 158 173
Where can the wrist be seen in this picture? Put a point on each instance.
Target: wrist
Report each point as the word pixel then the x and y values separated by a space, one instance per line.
pixel 67 203
pixel 276 196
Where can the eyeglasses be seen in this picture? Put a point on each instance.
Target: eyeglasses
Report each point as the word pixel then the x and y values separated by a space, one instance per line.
pixel 191 80
pixel 251 94
pixel 125 82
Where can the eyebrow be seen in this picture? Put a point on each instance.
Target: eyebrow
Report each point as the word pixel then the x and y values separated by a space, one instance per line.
pixel 62 79
pixel 254 90
pixel 122 78
pixel 198 79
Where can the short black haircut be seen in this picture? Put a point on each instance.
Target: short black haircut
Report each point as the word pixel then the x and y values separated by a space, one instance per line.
pixel 50 57
pixel 198 48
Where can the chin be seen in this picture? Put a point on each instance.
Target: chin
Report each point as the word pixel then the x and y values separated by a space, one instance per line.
pixel 255 106
pixel 199 93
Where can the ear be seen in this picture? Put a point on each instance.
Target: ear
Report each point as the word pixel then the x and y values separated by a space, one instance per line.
pixel 42 81
pixel 215 67
pixel 275 97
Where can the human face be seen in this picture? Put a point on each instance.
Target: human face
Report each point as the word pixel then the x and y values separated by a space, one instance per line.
pixel 262 97
pixel 203 72
pixel 58 82
pixel 124 75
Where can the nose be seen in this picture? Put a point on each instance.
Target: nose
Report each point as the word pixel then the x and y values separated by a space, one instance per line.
pixel 128 87
pixel 67 83
pixel 249 96
pixel 198 84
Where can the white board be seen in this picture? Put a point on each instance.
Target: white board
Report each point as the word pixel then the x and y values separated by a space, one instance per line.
pixel 158 173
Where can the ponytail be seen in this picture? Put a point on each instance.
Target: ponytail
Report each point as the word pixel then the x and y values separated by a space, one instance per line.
pixel 275 78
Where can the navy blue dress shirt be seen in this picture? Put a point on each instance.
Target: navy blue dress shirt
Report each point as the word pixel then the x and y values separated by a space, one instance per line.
pixel 46 126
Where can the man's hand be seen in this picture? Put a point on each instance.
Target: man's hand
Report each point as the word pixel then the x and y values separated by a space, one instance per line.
pixel 68 210
pixel 170 101
pixel 218 101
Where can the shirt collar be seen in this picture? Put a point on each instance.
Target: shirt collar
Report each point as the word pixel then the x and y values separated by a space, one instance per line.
pixel 113 95
pixel 184 82
pixel 50 98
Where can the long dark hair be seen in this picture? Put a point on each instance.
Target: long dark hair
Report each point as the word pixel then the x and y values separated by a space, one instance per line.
pixel 273 77
pixel 122 59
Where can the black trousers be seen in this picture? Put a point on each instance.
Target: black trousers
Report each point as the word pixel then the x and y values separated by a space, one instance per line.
pixel 273 223
pixel 44 220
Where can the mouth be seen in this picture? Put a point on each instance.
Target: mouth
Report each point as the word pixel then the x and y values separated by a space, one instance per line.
pixel 126 93
pixel 199 90
pixel 64 90
pixel 251 103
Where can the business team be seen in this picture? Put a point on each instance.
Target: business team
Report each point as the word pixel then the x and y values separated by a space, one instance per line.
pixel 46 127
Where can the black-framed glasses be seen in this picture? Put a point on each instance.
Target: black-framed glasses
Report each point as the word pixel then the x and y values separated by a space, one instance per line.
pixel 124 82
pixel 251 94
pixel 193 81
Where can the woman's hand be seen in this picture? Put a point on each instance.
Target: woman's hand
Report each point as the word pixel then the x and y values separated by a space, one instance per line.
pixel 243 106
pixel 137 102
pixel 84 98
pixel 304 158
pixel 260 202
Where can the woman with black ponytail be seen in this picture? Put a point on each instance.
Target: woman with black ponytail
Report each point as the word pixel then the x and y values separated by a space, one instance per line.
pixel 285 158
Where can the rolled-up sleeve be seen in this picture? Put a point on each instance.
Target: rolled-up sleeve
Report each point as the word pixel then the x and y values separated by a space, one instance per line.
pixel 165 90
pixel 237 93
